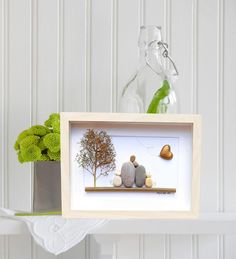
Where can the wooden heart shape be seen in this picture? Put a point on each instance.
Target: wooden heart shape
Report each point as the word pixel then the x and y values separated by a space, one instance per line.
pixel 166 152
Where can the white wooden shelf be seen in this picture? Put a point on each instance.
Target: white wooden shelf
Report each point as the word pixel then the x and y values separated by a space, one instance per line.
pixel 12 227
pixel 207 223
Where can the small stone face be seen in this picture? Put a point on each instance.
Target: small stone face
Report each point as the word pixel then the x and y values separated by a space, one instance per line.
pixel 128 174
pixel 140 176
pixel 132 158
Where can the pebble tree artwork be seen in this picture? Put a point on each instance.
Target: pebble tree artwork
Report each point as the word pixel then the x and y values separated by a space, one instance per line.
pixel 97 157
pixel 97 154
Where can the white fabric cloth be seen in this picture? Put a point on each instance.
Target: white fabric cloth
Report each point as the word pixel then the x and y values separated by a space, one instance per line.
pixel 55 233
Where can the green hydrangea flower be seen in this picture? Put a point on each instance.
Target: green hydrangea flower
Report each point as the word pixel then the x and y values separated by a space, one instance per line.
pixel 54 155
pixel 48 130
pixel 52 142
pixel 20 158
pixel 41 144
pixel 37 142
pixel 29 140
pixel 44 157
pixel 31 153
pixel 22 135
pixel 17 146
pixel 47 123
pixel 56 126
pixel 52 118
pixel 38 130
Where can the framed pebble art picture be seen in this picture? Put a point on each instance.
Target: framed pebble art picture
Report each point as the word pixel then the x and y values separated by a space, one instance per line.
pixel 118 165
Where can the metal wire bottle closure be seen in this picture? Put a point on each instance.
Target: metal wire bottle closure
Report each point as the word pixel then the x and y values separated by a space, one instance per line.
pixel 165 53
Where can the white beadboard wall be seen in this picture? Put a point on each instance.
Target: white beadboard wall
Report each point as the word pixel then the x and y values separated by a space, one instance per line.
pixel 76 55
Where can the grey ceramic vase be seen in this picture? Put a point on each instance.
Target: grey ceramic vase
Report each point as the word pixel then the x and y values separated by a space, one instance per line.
pixel 47 186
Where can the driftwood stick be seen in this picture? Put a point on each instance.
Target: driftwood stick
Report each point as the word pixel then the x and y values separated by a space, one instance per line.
pixel 132 189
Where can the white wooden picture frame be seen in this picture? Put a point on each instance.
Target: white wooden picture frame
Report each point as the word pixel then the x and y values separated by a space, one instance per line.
pixel 176 182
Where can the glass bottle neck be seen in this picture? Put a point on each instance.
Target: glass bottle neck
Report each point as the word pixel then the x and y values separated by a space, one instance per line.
pixel 142 58
pixel 151 57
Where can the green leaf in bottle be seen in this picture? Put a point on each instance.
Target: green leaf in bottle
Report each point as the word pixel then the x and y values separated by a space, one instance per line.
pixel 159 95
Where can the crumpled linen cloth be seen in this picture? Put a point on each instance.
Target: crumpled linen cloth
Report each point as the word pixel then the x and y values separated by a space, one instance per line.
pixel 55 233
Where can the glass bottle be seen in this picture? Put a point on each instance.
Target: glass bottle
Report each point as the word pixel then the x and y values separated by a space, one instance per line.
pixel 151 88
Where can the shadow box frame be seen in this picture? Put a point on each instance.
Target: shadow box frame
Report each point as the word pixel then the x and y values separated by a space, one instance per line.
pixel 172 121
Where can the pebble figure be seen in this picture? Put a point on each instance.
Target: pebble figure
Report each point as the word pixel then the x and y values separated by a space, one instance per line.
pixel 148 181
pixel 140 176
pixel 117 181
pixel 128 174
